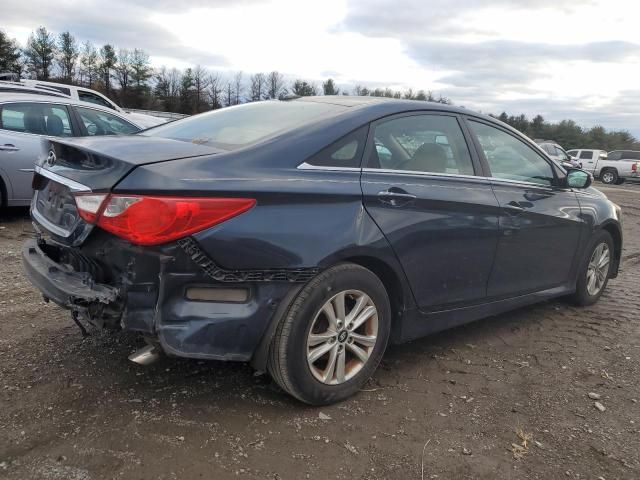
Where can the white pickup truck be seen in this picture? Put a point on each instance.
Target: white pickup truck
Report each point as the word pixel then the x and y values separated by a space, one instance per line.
pixel 613 167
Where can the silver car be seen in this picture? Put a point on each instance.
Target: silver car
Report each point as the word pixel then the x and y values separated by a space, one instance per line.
pixel 26 118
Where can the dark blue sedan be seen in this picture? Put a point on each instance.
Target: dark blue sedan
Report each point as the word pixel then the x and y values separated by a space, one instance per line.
pixel 306 235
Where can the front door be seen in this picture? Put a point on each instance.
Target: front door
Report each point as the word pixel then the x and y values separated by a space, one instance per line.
pixel 540 222
pixel 22 126
pixel 441 220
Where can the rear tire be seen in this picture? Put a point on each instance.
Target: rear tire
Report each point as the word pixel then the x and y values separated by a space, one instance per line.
pixel 593 274
pixel 353 337
pixel 609 176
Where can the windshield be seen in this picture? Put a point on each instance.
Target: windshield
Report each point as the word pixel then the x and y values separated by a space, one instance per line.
pixel 235 127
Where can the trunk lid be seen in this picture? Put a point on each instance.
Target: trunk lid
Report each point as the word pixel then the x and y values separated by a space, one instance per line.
pixel 66 167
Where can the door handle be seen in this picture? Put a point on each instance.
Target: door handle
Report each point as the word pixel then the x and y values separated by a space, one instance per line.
pixel 7 147
pixel 396 197
pixel 514 208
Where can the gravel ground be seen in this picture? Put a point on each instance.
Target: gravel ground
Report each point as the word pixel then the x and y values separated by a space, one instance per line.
pixel 506 397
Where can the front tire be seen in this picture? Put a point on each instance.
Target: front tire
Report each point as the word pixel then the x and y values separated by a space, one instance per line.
pixel 593 275
pixel 333 336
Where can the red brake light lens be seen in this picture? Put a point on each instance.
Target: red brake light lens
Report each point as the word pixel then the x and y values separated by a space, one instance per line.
pixel 153 220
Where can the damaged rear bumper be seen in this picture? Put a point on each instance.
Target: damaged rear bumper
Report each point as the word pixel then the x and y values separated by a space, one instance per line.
pixel 61 285
pixel 152 294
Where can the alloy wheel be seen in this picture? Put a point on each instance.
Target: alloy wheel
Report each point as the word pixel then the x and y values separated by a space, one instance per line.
pixel 607 177
pixel 342 337
pixel 598 269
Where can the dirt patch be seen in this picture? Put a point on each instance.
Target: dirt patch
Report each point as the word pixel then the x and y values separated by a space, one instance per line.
pixel 506 397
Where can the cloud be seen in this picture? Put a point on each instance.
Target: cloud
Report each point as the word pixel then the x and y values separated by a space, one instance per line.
pixel 121 23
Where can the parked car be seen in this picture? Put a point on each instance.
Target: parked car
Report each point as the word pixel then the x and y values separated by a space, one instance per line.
pixel 26 118
pixel 17 87
pixel 556 152
pixel 91 96
pixel 305 235
pixel 615 167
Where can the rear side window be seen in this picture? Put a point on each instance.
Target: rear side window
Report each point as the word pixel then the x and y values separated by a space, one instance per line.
pixel 36 118
pixel 97 122
pixel 93 98
pixel 586 155
pixel 346 152
pixel 421 143
pixel 510 158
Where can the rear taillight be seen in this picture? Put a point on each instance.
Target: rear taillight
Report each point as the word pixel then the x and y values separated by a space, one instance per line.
pixel 634 167
pixel 152 220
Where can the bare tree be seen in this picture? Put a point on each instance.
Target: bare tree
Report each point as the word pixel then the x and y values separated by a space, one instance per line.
pixel 215 91
pixel 68 55
pixel 88 64
pixel 237 83
pixel 258 87
pixel 123 70
pixel 200 85
pixel 275 85
pixel 229 94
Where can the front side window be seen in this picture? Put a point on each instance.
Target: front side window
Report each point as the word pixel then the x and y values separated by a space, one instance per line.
pixel 510 158
pixel 421 143
pixel 586 155
pixel 573 153
pixel 36 118
pixel 93 98
pixel 97 122
pixel 616 155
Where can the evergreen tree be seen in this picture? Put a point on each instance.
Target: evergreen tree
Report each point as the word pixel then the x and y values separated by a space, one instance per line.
pixel 40 52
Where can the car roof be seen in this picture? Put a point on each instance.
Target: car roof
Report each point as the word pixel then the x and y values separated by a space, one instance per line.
pixel 34 97
pixel 30 81
pixel 357 101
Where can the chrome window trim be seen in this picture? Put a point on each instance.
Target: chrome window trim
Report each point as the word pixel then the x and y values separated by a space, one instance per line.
pixel 307 166
pixel 421 173
pixel 519 182
pixel 73 185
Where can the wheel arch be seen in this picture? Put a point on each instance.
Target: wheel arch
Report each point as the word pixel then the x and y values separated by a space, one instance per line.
pixel 616 233
pixel 4 195
pixel 390 278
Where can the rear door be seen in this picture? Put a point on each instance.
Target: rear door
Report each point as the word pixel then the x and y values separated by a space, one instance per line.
pixel 22 125
pixel 420 187
pixel 540 222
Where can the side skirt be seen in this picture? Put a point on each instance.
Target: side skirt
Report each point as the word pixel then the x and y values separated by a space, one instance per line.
pixel 417 324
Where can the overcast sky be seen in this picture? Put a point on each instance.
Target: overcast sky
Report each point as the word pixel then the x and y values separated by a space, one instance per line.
pixel 575 59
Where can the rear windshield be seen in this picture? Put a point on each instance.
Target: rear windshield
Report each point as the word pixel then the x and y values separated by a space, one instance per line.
pixel 624 155
pixel 235 127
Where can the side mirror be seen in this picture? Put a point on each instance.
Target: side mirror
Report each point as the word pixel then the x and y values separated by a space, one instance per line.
pixel 577 178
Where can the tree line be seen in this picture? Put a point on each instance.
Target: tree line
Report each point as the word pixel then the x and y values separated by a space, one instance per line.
pixel 569 134
pixel 126 76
